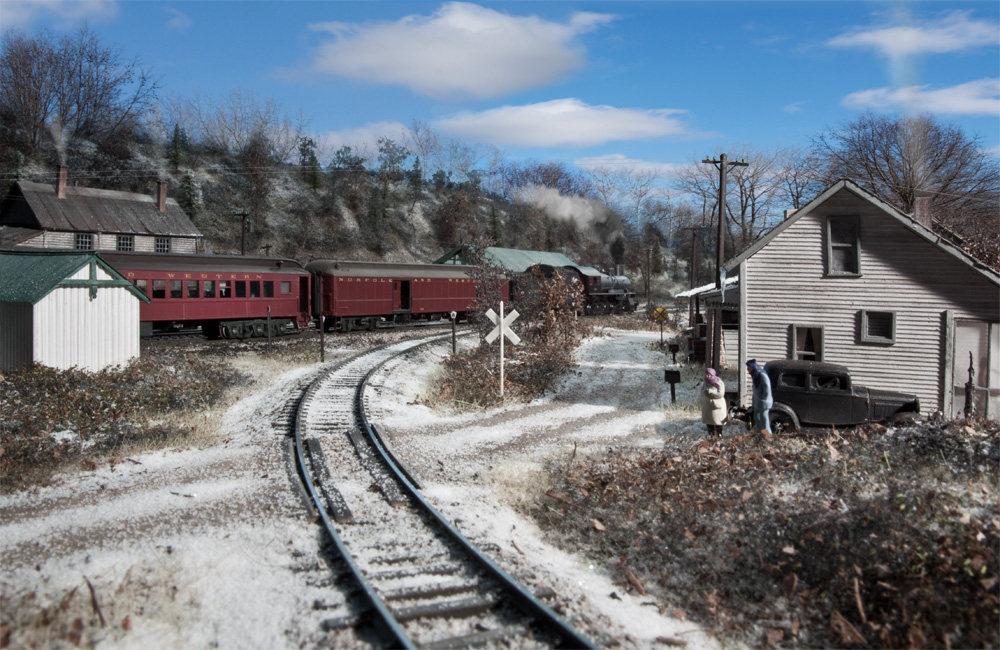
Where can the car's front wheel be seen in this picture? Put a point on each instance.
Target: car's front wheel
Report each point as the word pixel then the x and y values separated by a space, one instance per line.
pixel 782 422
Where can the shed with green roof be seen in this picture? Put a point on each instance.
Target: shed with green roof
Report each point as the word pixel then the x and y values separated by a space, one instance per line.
pixel 65 309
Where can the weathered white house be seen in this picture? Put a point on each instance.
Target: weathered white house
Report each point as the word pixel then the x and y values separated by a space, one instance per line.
pixel 65 309
pixel 849 279
pixel 39 215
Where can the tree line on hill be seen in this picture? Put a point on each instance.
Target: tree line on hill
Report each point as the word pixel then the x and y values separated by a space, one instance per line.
pixel 75 101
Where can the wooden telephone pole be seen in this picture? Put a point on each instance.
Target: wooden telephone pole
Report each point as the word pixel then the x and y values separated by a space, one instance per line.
pixel 722 164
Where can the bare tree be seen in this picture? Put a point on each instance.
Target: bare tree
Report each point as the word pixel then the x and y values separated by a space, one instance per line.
pixel 426 145
pixel 799 176
pixel 76 87
pixel 895 157
pixel 232 123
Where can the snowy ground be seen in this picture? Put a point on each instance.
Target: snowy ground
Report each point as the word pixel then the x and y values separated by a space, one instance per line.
pixel 212 548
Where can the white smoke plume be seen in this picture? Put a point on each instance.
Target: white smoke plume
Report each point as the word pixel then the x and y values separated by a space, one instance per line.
pixel 592 217
pixel 582 211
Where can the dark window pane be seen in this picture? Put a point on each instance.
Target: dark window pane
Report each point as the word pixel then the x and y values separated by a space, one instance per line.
pixel 241 289
pixel 254 289
pixel 192 288
pixel 176 288
pixel 159 289
pixel 225 290
pixel 209 288
pixel 268 289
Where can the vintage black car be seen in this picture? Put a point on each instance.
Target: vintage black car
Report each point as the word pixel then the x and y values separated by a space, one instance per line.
pixel 813 393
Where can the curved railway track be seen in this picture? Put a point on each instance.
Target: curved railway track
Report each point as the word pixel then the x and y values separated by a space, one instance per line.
pixel 419 581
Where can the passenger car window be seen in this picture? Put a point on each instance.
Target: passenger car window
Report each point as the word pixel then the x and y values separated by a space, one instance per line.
pixel 159 289
pixel 209 288
pixel 192 288
pixel 225 291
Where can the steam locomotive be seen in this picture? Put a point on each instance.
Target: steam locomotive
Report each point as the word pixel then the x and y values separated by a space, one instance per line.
pixel 603 293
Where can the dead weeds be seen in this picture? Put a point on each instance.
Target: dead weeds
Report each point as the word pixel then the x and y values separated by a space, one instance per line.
pixel 861 538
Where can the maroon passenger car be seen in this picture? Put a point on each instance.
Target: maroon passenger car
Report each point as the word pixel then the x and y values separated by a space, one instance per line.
pixel 226 296
pixel 366 295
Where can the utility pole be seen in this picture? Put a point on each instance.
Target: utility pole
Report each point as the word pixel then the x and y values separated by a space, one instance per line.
pixel 244 224
pixel 721 165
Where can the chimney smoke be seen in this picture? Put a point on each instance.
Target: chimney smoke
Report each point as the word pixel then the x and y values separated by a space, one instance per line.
pixel 161 196
pixel 61 182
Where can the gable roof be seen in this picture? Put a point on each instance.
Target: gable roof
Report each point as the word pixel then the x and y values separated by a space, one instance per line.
pixel 92 210
pixel 29 276
pixel 904 219
pixel 512 259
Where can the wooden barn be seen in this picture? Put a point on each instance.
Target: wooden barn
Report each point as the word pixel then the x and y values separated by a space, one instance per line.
pixel 849 279
pixel 65 216
pixel 65 309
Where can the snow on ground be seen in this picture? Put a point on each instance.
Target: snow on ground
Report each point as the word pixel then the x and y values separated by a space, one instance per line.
pixel 209 547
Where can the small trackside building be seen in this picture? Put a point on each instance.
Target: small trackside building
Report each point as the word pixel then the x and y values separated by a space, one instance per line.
pixel 848 279
pixel 64 309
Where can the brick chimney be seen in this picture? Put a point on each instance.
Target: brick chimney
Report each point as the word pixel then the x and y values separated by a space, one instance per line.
pixel 161 196
pixel 61 182
pixel 922 208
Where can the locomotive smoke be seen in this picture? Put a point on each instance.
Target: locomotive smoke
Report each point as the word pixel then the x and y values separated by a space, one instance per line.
pixel 591 215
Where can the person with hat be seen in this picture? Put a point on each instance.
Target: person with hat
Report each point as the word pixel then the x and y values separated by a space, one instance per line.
pixel 713 402
pixel 762 400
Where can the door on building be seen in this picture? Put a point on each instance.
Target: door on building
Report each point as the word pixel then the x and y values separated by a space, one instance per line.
pixel 976 370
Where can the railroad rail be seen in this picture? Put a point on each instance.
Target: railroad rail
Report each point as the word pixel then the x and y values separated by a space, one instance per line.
pixel 420 582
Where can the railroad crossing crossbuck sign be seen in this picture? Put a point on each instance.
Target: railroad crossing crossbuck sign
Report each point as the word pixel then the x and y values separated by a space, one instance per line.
pixel 503 331
pixel 502 325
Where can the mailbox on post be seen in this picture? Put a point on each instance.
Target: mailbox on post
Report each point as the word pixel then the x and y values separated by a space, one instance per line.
pixel 674 349
pixel 672 377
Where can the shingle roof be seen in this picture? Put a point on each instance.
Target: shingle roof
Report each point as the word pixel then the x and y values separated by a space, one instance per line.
pixel 93 210
pixel 29 276
pixel 515 260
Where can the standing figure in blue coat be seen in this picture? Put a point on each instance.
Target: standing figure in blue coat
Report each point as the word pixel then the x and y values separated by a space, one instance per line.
pixel 762 399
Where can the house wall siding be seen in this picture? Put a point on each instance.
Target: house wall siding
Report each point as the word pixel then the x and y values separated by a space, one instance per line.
pixel 71 329
pixel 900 272
pixel 108 242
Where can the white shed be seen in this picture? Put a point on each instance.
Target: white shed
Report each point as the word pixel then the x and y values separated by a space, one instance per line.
pixel 65 309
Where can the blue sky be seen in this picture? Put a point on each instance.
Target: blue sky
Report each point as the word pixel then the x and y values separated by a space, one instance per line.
pixel 656 82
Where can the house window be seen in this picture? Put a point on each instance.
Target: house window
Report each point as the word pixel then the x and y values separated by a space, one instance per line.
pixel 843 246
pixel 125 243
pixel 807 342
pixel 84 241
pixel 878 327
pixel 162 244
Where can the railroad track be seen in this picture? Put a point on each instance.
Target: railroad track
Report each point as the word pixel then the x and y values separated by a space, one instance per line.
pixel 419 582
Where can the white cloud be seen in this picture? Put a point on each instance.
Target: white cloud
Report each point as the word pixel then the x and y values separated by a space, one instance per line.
pixel 981 97
pixel 461 50
pixel 794 107
pixel 619 161
pixel 953 32
pixel 363 140
pixel 20 13
pixel 562 123
pixel 178 20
